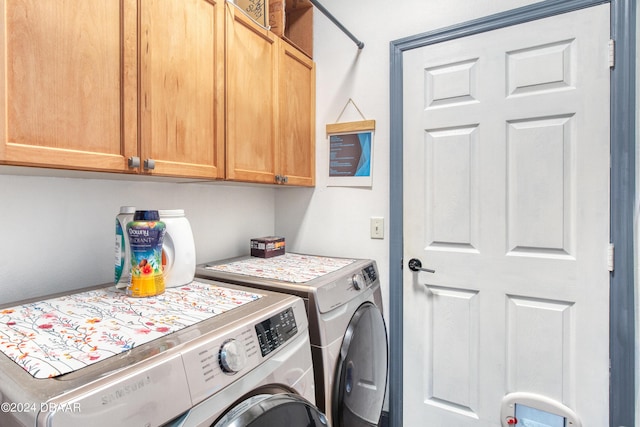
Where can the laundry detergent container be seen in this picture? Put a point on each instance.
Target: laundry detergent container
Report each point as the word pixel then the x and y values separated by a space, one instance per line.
pixel 178 249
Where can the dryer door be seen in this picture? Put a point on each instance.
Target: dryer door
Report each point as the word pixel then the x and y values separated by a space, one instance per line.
pixel 270 410
pixel 361 374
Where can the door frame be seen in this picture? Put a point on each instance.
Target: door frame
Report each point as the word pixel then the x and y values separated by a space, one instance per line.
pixel 622 181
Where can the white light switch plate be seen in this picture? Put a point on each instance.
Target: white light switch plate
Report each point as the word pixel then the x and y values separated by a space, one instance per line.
pixel 377 228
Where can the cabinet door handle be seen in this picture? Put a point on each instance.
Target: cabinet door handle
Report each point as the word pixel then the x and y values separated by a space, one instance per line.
pixel 134 162
pixel 282 179
pixel 149 164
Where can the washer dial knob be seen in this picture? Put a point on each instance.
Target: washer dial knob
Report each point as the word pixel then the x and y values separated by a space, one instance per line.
pixel 233 356
pixel 358 282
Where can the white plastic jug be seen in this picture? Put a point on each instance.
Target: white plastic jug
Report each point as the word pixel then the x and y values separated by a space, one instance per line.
pixel 178 249
pixel 123 250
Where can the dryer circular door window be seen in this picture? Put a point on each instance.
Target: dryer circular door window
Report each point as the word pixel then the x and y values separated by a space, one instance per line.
pixel 269 410
pixel 361 373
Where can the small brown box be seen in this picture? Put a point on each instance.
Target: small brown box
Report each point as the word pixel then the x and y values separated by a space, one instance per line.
pixel 267 247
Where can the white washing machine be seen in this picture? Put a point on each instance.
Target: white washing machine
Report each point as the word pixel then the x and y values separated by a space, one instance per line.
pixel 248 366
pixel 348 334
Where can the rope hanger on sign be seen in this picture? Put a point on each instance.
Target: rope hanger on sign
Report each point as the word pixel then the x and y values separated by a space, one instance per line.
pixel 350 101
pixel 363 125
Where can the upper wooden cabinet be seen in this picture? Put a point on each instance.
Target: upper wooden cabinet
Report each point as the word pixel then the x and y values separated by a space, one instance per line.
pixel 69 92
pixel 251 70
pixel 297 114
pixel 141 87
pixel 84 89
pixel 270 106
pixel 182 87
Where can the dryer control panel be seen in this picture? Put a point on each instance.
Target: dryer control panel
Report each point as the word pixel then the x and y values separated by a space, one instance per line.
pixel 370 274
pixel 354 281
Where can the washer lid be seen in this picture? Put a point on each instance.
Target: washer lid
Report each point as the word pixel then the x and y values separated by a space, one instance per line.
pixel 361 374
pixel 269 410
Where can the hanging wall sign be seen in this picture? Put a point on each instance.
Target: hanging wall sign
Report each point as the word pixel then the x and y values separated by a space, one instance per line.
pixel 351 153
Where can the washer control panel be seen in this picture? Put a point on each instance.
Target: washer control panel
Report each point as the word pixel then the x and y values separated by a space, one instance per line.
pixel 275 331
pixel 215 360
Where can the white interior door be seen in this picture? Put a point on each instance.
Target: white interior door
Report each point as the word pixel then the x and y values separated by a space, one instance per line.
pixel 506 196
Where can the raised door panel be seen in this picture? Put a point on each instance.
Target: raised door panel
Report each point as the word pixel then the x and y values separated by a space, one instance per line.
pixel 68 83
pixel 182 87
pixel 296 137
pixel 251 117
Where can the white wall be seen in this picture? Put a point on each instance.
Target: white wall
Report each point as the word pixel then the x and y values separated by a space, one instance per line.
pixel 57 234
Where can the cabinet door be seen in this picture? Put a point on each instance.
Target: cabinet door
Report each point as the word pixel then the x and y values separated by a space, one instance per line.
pixel 68 83
pixel 297 100
pixel 251 115
pixel 182 87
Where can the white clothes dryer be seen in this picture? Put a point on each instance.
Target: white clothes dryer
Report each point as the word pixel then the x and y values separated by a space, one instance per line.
pixel 348 334
pixel 246 366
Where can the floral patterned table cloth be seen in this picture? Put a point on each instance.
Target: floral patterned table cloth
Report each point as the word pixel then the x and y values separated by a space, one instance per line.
pixel 63 334
pixel 289 267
